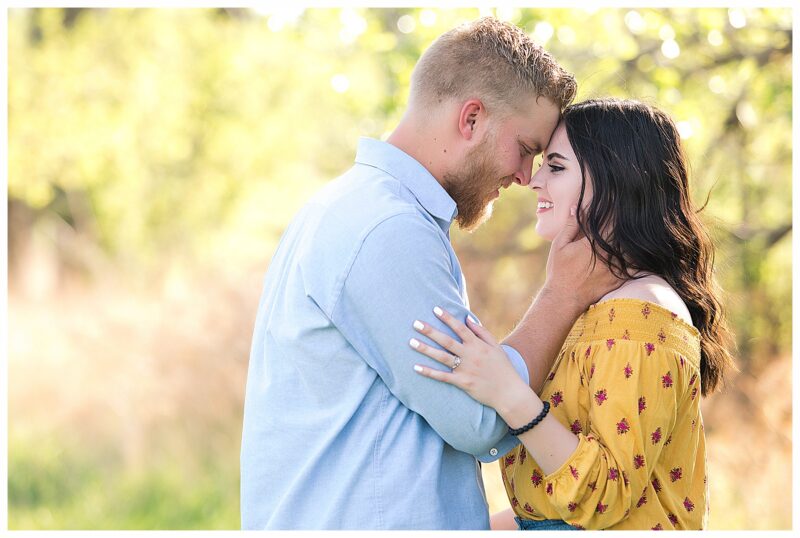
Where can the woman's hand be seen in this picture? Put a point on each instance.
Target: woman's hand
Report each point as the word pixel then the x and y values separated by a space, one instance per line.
pixel 482 368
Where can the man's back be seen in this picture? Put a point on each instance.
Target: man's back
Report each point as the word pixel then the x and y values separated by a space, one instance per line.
pixel 335 430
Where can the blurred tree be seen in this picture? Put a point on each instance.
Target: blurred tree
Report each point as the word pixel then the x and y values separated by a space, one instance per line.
pixel 198 133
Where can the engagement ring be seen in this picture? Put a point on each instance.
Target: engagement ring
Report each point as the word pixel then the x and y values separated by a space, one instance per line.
pixel 456 363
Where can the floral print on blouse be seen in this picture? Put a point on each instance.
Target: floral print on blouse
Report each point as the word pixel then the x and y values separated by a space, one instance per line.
pixel 627 383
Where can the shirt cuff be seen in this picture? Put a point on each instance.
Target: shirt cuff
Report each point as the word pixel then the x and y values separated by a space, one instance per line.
pixel 500 449
pixel 518 363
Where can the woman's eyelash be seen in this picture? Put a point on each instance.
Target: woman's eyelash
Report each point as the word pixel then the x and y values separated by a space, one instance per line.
pixel 554 168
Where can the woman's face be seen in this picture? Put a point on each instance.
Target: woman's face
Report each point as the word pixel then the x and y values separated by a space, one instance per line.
pixel 558 185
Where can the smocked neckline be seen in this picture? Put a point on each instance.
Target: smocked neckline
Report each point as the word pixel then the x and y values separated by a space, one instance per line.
pixel 658 307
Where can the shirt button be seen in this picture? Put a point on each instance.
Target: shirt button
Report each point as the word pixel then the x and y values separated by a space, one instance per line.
pixel 493 452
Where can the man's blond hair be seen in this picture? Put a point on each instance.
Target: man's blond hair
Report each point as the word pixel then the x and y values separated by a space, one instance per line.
pixel 493 61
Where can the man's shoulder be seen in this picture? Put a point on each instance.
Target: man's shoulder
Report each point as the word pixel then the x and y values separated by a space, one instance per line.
pixel 356 212
pixel 365 204
pixel 364 199
pixel 371 189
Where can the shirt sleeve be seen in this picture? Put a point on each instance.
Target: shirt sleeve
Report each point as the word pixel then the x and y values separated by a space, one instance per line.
pixel 400 273
pixel 633 407
pixel 509 441
pixel 517 362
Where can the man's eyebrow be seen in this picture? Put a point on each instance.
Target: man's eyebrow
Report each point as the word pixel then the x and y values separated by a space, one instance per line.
pixel 555 155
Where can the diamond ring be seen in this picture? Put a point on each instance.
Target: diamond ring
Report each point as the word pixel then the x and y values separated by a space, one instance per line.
pixel 456 363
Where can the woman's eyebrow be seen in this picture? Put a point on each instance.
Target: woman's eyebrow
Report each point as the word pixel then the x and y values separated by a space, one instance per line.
pixel 555 155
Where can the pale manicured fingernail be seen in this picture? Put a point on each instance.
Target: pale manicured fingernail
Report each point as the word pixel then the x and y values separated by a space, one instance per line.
pixel 414 343
pixel 418 325
pixel 473 320
pixel 572 211
pixel 417 368
pixel 438 311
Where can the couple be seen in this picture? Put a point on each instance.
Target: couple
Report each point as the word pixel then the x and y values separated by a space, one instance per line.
pixel 373 394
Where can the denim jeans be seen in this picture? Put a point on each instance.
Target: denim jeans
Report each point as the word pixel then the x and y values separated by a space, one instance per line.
pixel 544 525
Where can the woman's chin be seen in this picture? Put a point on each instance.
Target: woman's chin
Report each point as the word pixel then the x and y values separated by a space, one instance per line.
pixel 547 235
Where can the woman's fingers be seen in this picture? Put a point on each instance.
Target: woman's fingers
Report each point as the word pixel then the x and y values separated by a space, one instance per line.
pixel 436 354
pixel 450 344
pixel 459 328
pixel 435 374
pixel 569 232
pixel 481 332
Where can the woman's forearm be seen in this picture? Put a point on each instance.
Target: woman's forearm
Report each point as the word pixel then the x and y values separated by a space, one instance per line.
pixel 550 443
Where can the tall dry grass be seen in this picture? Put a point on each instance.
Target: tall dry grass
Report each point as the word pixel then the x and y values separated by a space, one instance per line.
pixel 125 402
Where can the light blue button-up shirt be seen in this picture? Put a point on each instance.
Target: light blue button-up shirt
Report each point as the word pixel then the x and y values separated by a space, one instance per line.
pixel 339 431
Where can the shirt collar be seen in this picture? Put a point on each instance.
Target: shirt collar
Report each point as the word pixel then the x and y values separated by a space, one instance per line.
pixel 400 165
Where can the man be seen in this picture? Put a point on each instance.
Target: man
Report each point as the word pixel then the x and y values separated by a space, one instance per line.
pixel 339 431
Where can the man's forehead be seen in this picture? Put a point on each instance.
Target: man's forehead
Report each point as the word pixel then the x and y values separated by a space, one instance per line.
pixel 537 137
pixel 537 125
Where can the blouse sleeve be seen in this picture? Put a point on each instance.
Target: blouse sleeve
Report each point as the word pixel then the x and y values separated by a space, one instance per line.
pixel 632 411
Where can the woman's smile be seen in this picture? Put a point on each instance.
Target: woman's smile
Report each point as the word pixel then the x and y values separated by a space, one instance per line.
pixel 544 205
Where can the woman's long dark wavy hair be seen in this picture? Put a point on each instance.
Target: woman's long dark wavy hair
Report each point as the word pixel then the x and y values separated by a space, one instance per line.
pixel 641 216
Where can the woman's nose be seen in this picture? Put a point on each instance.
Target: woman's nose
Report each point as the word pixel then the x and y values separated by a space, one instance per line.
pixel 536 180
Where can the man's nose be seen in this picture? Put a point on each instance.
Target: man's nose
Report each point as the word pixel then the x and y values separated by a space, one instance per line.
pixel 522 177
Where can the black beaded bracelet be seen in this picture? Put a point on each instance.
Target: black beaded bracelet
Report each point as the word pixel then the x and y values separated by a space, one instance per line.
pixel 532 423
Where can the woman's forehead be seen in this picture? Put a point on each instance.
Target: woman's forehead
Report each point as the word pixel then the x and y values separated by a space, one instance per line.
pixel 559 142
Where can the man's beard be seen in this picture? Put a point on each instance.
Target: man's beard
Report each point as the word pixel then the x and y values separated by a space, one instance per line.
pixel 472 188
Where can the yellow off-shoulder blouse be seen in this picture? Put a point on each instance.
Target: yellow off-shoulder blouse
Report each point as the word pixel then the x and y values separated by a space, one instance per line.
pixel 627 383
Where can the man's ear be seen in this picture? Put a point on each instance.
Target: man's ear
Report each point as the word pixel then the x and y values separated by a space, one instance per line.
pixel 471 119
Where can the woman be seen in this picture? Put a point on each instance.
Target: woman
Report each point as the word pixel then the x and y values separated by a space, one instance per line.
pixel 616 440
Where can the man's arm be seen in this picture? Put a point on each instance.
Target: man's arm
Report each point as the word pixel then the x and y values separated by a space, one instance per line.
pixel 400 273
pixel 541 333
pixel 573 283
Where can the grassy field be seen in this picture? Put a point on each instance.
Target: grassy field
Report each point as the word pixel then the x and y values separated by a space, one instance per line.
pixel 125 413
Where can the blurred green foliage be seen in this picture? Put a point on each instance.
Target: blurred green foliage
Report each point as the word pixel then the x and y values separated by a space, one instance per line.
pixel 196 134
pixel 58 485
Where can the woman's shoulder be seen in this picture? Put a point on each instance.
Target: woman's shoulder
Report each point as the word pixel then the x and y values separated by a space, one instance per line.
pixel 653 289
pixel 646 314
